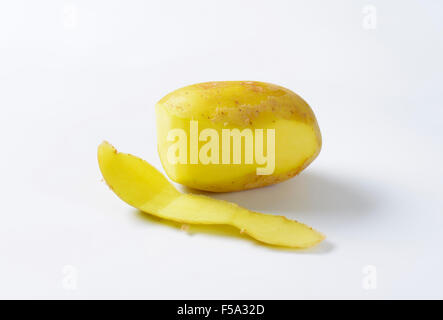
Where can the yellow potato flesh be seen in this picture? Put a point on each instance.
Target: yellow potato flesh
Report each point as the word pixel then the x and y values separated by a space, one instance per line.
pixel 140 185
pixel 241 105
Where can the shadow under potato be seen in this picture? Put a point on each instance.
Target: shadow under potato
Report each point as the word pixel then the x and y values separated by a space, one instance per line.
pixel 308 194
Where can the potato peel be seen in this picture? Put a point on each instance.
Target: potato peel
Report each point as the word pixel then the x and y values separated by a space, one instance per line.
pixel 142 186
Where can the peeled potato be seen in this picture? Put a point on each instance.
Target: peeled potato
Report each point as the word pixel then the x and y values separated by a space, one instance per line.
pixel 140 185
pixel 235 105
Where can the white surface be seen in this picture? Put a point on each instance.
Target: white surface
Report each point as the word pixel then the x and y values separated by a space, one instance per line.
pixel 73 73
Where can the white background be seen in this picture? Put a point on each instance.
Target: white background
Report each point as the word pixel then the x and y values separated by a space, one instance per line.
pixel 73 73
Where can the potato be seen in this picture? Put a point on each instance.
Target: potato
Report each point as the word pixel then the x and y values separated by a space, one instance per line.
pixel 140 185
pixel 205 133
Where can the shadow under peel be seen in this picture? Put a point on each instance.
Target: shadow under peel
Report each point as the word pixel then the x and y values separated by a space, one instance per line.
pixel 227 231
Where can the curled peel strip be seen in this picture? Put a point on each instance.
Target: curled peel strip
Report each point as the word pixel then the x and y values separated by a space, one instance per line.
pixel 142 186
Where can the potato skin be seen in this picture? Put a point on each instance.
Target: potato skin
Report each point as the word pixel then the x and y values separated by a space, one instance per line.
pixel 239 104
